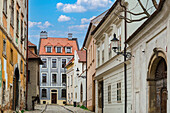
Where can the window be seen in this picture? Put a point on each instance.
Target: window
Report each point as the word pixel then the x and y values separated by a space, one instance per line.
pixel 25 37
pixel 4 46
pixel 103 52
pixel 119 37
pixel 110 47
pixel 22 31
pixel 44 63
pixel 76 95
pixel 44 92
pixel 11 56
pixel 63 78
pixel 68 81
pixel 54 78
pixel 68 50
pixel 58 50
pixel 48 49
pixel 63 93
pixel 44 78
pixel 98 56
pixel 54 63
pixel 12 12
pixel 118 92
pixel 63 63
pixel 71 80
pixel 109 94
pixel 5 6
pixel 28 75
pixel 3 94
pixel 21 66
pixel 17 23
pixel 71 95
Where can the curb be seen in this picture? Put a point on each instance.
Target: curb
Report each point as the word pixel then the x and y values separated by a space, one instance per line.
pixel 67 109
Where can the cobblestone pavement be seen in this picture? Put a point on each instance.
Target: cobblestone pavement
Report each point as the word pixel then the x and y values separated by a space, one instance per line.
pixel 49 109
pixel 77 109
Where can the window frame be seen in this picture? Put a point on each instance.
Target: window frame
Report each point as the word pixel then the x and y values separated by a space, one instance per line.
pixel 109 92
pixel 47 49
pixel 52 78
pixel 62 62
pixel 62 93
pixel 42 78
pixel 67 49
pixel 42 93
pixel 57 49
pixel 119 89
pixel 43 63
pixel 52 63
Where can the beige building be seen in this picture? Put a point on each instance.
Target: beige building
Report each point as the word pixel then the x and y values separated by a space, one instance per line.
pixel 150 46
pixel 70 81
pixel 89 44
pixel 33 76
pixel 13 54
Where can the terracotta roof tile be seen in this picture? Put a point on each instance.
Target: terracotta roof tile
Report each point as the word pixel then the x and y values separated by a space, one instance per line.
pixel 53 42
pixel 82 55
pixel 31 44
pixel 32 55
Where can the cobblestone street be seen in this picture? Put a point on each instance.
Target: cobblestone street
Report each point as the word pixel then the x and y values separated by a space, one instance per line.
pixel 57 109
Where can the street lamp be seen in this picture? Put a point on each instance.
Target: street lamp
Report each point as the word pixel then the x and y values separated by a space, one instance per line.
pixel 116 47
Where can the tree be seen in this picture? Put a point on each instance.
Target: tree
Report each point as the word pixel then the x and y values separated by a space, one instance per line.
pixel 148 7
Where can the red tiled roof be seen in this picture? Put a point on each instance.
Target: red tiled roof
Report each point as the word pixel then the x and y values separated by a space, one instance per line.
pixel 31 44
pixel 59 45
pixel 32 55
pixel 53 42
pixel 82 55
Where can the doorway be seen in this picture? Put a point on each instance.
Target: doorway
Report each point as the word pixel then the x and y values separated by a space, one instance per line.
pixel 16 89
pixel 100 97
pixel 158 86
pixel 53 96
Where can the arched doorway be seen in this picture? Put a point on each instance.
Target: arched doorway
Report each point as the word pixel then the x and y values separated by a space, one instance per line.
pixel 81 93
pixel 157 81
pixel 16 88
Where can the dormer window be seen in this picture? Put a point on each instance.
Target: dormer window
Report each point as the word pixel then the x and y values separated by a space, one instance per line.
pixel 58 49
pixel 68 50
pixel 49 49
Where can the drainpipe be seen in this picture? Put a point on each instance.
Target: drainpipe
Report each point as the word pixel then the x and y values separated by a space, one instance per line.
pixel 125 66
pixel 86 75
pixel 27 62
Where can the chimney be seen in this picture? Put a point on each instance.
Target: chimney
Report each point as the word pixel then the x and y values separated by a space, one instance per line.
pixel 70 35
pixel 43 34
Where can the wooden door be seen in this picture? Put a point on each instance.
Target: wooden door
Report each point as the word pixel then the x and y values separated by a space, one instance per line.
pixel 164 100
pixel 54 98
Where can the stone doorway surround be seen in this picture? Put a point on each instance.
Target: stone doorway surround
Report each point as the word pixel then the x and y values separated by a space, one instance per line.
pixel 157 82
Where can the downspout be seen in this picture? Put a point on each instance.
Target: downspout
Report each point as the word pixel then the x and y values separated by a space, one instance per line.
pixel 125 66
pixel 86 75
pixel 27 61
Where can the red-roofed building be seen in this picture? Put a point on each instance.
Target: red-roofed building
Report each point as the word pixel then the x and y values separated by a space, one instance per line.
pixel 34 61
pixel 55 53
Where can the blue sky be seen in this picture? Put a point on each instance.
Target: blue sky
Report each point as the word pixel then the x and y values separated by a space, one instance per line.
pixel 58 17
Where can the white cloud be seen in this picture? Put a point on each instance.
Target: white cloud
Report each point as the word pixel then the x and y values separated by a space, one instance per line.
pixel 39 24
pixel 63 18
pixel 78 27
pixel 59 5
pixel 32 24
pixel 83 5
pixel 85 20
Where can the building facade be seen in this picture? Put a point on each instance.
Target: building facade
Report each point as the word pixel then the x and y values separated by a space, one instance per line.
pixel 34 62
pixel 89 45
pixel 80 77
pixel 70 81
pixel 55 54
pixel 150 69
pixel 13 50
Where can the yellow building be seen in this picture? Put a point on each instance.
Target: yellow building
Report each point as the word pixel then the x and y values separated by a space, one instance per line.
pixel 13 49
